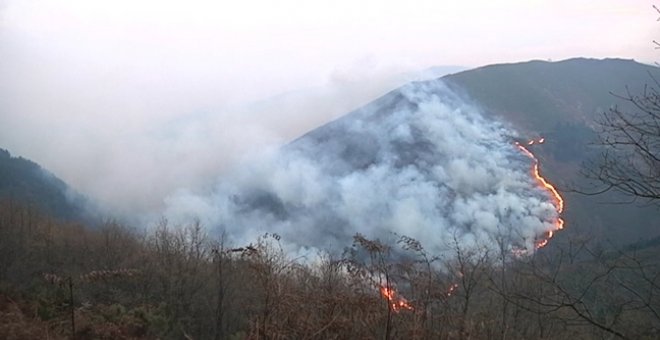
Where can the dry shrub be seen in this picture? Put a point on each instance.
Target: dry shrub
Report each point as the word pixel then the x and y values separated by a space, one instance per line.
pixel 17 323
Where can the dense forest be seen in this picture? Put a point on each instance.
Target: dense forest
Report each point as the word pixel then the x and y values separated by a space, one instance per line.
pixel 65 280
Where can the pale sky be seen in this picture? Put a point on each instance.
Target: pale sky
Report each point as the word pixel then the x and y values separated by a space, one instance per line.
pixel 154 95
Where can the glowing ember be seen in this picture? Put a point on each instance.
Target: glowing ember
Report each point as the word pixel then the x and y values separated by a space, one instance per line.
pixel 542 243
pixel 556 197
pixel 396 302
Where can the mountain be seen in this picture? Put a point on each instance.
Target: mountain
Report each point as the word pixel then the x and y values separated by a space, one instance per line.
pixel 420 161
pixel 562 101
pixel 25 182
pixel 538 95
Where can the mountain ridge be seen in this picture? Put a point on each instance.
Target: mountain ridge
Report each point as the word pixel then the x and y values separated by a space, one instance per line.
pixel 560 101
pixel 26 182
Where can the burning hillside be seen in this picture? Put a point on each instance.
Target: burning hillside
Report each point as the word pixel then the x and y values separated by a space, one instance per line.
pixel 557 200
pixel 420 161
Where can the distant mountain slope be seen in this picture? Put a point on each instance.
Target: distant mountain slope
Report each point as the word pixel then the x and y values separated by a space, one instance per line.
pixel 556 100
pixel 538 95
pixel 562 101
pixel 24 181
pixel 419 161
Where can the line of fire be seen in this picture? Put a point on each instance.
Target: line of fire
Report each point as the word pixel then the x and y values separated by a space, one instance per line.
pixel 398 303
pixel 557 200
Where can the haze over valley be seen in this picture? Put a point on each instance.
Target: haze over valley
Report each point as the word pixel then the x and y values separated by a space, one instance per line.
pixel 373 170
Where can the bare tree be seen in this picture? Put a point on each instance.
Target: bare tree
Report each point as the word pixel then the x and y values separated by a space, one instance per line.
pixel 582 289
pixel 630 159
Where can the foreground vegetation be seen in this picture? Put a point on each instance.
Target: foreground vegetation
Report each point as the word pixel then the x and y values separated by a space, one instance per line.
pixel 63 280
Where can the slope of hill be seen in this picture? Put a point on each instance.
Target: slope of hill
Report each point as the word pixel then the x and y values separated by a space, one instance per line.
pixel 419 162
pixel 562 101
pixel 24 181
pixel 539 95
pixel 557 100
pixel 420 157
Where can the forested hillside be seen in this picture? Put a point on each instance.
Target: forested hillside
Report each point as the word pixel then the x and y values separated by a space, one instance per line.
pixel 60 280
pixel 24 181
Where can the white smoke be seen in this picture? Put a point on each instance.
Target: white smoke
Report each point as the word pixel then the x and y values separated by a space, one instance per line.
pixel 419 162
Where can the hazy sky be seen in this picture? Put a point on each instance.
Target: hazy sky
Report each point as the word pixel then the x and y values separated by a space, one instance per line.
pixel 131 100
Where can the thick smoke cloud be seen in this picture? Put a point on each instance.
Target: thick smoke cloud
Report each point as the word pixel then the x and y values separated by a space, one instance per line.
pixel 419 162
pixel 127 140
pixel 129 102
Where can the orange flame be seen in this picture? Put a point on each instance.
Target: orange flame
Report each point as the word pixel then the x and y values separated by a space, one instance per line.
pixel 556 197
pixel 558 200
pixel 396 302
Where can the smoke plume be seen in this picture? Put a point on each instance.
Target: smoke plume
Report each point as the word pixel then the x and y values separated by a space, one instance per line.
pixel 420 161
